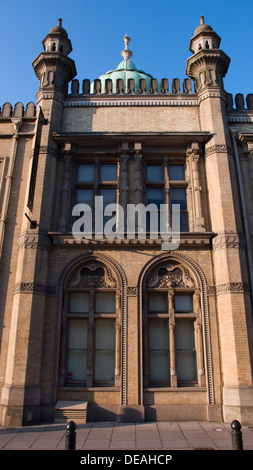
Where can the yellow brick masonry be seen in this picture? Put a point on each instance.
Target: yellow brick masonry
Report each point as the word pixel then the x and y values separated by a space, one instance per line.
pixel 131 118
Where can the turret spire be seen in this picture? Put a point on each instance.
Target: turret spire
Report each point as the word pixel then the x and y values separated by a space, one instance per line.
pixel 126 54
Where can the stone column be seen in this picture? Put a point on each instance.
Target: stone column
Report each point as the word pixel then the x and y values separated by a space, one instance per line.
pixel 123 182
pixel 90 342
pixel 167 189
pixel 199 340
pixel 66 188
pixel 172 343
pixel 138 180
pixel 193 155
pixel 117 341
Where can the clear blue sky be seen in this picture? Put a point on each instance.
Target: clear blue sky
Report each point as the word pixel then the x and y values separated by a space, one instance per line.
pixel 160 32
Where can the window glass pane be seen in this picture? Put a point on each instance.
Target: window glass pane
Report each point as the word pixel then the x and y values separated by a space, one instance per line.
pixel 78 334
pixel 77 365
pixel 105 354
pixel 85 173
pixel 185 334
pixel 157 302
pixel 155 196
pixel 186 366
pixel 109 196
pixel 183 303
pixel 84 196
pixel 105 302
pixel 104 366
pixel 184 225
pixel 176 172
pixel 79 302
pixel 178 196
pixel 105 336
pixel 158 334
pixel 158 366
pixel 77 354
pixel 108 172
pixel 154 173
pixel 186 355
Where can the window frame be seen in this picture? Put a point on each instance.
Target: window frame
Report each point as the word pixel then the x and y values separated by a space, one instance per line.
pixel 171 316
pixel 91 316
pixel 97 184
pixel 166 184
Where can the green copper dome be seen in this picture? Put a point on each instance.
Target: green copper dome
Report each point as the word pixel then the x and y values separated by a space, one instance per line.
pixel 126 70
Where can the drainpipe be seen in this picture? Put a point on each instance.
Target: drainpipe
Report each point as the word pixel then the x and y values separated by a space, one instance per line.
pixel 244 212
pixel 17 124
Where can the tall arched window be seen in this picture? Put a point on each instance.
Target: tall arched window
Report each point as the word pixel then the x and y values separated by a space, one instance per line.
pixel 172 323
pixel 90 350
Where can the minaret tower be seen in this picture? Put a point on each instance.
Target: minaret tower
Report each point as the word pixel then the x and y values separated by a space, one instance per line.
pixel 21 393
pixel 53 67
pixel 208 66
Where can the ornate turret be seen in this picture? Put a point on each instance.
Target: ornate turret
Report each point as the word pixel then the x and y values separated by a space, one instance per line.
pixel 53 67
pixel 208 64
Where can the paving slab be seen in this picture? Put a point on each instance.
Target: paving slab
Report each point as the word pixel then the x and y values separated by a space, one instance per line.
pixel 139 436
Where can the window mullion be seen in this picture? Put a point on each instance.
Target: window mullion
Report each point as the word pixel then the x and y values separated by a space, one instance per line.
pixel 91 341
pixel 199 340
pixel 172 345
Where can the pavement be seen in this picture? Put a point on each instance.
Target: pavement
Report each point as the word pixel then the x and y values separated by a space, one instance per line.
pixel 114 436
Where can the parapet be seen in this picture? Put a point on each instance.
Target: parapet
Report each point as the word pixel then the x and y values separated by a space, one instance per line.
pixel 239 103
pixel 105 87
pixel 19 110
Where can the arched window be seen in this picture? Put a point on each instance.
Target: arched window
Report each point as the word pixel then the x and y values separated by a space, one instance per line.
pixel 173 343
pixel 91 328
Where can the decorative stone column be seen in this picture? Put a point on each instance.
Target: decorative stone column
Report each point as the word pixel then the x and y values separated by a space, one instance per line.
pixel 66 188
pixel 172 343
pixel 166 194
pixel 90 342
pixel 199 340
pixel 138 180
pixel 117 340
pixel 123 181
pixel 193 155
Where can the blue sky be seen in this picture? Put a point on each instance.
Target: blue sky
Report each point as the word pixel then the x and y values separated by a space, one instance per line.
pixel 160 32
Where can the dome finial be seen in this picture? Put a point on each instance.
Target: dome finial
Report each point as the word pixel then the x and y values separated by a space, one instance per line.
pixel 59 22
pixel 126 53
pixel 202 20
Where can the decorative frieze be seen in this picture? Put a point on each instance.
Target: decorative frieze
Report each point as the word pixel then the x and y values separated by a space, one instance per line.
pixel 34 240
pixel 44 149
pixel 219 148
pixel 230 287
pixel 228 240
pixel 34 288
pixel 133 102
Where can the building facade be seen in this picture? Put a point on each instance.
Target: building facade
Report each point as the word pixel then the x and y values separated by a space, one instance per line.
pixel 126 326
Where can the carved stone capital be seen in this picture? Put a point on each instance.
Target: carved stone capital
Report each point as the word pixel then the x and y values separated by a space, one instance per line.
pixel 228 240
pixel 132 291
pixel 232 287
pixel 218 148
pixel 34 287
pixel 34 240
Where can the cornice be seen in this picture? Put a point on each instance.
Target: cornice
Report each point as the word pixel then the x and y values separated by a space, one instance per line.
pixel 140 101
pixel 190 240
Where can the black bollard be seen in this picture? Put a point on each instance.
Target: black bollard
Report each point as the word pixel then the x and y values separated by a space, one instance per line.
pixel 236 433
pixel 70 440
